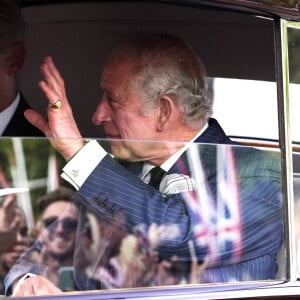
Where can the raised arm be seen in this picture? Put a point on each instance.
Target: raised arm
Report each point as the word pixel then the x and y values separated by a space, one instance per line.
pixel 60 125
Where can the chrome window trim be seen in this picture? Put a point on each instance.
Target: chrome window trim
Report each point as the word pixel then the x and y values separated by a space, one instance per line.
pixel 285 143
pixel 292 242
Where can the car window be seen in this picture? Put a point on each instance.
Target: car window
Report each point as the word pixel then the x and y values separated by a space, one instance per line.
pixel 117 254
pixel 215 217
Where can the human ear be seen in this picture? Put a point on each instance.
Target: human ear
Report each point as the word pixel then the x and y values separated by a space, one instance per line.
pixel 16 59
pixel 165 112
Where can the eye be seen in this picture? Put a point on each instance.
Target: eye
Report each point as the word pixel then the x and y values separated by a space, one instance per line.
pixel 113 102
pixel 23 231
pixel 109 98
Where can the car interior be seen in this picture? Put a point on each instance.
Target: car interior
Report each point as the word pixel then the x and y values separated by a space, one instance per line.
pixel 237 46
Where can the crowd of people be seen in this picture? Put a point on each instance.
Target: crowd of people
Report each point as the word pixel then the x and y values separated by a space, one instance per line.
pixel 76 250
pixel 14 234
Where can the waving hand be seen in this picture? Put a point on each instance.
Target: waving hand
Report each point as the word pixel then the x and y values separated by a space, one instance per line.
pixel 60 127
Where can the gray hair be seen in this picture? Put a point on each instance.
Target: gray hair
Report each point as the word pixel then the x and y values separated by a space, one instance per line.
pixel 167 65
pixel 12 25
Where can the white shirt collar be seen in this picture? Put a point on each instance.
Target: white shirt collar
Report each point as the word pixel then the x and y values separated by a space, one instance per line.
pixel 7 114
pixel 166 166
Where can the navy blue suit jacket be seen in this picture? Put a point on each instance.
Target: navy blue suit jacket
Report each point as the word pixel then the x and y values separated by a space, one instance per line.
pixel 261 207
pixel 19 126
pixel 113 192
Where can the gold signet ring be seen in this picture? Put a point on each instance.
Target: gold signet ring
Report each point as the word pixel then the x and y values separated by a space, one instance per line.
pixel 56 105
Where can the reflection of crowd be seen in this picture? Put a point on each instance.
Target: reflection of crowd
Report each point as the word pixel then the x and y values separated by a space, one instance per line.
pixel 57 230
pixel 54 235
pixel 57 227
pixel 14 235
pixel 76 250
pixel 131 260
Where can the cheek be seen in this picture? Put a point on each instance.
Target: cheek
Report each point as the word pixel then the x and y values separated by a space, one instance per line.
pixel 136 127
pixel 125 125
pixel 44 234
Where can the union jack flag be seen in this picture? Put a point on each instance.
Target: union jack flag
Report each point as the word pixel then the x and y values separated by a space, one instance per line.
pixel 216 222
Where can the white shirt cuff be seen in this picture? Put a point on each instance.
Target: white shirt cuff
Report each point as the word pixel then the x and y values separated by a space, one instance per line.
pixel 24 277
pixel 83 163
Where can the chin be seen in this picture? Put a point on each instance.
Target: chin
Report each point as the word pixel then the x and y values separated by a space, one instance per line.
pixel 119 151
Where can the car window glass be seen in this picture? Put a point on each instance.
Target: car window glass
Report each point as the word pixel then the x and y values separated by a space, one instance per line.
pixel 237 49
pixel 236 233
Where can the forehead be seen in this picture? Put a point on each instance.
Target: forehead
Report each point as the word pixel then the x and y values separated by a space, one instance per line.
pixel 117 74
pixel 61 209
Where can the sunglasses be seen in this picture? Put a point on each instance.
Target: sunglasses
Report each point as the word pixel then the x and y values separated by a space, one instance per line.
pixel 68 224
pixel 23 231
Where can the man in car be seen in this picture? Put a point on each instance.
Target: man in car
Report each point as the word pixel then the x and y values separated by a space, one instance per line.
pixel 12 57
pixel 154 109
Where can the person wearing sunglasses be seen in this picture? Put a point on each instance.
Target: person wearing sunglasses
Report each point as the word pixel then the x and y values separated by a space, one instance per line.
pixel 61 221
pixel 57 225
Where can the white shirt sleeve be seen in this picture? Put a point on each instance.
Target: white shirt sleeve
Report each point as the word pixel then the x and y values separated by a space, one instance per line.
pixel 20 280
pixel 83 163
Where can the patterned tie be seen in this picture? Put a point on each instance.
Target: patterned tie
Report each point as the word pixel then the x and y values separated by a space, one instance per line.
pixel 156 175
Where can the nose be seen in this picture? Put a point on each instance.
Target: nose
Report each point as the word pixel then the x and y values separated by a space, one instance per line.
pixel 102 113
pixel 19 237
pixel 58 227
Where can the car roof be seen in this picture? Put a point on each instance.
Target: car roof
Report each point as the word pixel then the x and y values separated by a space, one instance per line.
pixel 286 9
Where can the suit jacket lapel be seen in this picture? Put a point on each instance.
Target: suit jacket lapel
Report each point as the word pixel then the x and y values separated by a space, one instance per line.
pixel 208 161
pixel 18 125
pixel 133 167
pixel 214 134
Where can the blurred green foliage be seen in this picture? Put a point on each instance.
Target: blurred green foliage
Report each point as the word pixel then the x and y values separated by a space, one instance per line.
pixel 36 155
pixel 294 54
